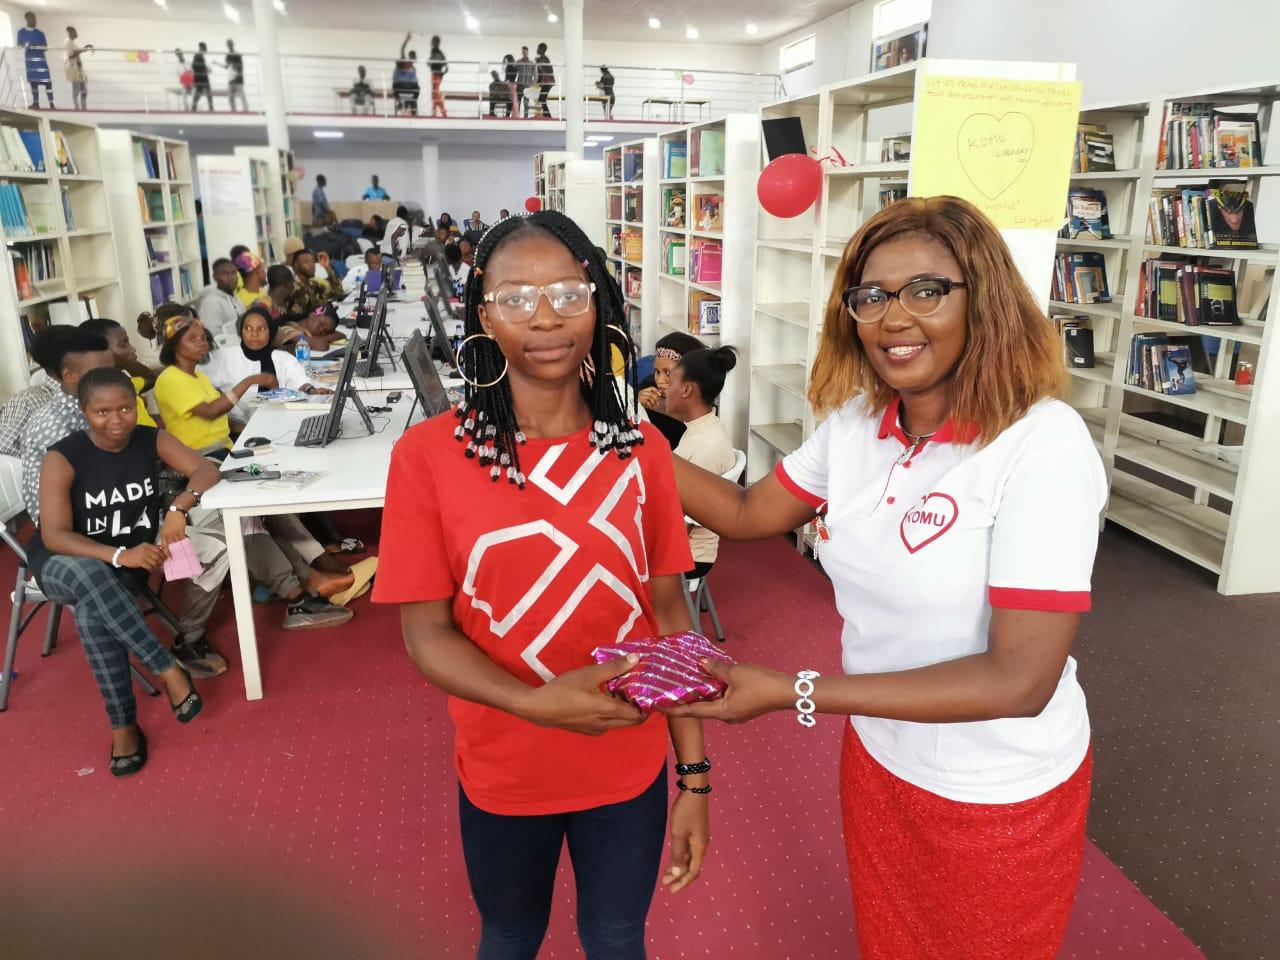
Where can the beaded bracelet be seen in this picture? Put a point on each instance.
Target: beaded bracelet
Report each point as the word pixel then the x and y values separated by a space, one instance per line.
pixel 681 784
pixel 693 769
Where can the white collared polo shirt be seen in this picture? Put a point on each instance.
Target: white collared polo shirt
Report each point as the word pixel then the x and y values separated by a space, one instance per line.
pixel 924 543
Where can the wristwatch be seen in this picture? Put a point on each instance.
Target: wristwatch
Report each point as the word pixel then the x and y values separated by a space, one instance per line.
pixel 174 508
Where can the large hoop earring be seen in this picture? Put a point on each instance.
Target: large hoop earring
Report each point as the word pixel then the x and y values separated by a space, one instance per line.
pixel 628 345
pixel 462 372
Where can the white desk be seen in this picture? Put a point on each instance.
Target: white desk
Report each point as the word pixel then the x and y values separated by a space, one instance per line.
pixel 354 466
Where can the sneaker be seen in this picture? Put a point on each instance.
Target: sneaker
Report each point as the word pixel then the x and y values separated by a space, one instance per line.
pixel 199 659
pixel 310 612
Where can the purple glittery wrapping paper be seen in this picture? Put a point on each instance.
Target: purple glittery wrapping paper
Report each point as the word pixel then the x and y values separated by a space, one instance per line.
pixel 668 672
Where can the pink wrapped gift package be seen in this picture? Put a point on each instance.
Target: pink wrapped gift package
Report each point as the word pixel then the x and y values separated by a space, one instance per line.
pixel 668 672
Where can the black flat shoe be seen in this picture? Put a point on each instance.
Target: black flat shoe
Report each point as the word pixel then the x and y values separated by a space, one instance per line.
pixel 130 764
pixel 191 705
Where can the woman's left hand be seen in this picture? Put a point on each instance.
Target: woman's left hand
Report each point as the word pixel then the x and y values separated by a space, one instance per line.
pixel 752 691
pixel 319 391
pixel 172 530
pixel 690 837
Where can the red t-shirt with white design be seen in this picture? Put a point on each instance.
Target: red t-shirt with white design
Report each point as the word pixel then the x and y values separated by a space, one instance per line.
pixel 538 578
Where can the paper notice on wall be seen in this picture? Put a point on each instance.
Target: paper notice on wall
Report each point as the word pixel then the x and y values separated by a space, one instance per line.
pixel 225 191
pixel 1003 144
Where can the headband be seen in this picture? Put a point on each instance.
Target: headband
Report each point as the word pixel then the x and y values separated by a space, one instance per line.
pixel 248 262
pixel 666 353
pixel 176 324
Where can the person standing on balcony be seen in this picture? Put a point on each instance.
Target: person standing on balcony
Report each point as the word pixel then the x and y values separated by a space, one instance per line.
pixel 35 47
pixel 320 208
pixel 605 86
pixel 404 81
pixel 75 68
pixel 526 73
pixel 546 79
pixel 200 77
pixel 439 67
pixel 235 81
pixel 510 72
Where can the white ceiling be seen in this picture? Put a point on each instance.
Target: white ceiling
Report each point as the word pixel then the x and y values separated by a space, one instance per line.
pixel 722 22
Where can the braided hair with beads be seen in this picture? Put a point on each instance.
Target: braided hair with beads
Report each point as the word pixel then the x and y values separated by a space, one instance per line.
pixel 489 427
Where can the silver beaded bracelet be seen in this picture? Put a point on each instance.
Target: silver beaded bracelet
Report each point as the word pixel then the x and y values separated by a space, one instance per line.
pixel 805 706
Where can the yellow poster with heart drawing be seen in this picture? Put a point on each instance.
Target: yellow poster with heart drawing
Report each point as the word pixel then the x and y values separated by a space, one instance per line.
pixel 1004 144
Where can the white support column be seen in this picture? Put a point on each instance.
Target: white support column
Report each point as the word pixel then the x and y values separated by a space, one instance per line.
pixel 270 75
pixel 571 85
pixel 431 179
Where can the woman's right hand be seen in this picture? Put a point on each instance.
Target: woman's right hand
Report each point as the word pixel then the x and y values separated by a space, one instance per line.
pixel 575 701
pixel 651 398
pixel 145 556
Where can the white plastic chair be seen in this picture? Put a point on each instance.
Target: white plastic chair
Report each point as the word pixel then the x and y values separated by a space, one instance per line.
pixel 697 593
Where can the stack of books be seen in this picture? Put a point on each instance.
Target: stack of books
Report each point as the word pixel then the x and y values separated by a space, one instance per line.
pixel 632 164
pixel 1195 136
pixel 161 287
pixel 62 153
pixel 891 193
pixel 20 150
pixel 674 160
pixel 613 168
pixel 171 164
pixel 146 164
pixel 633 204
pixel 1160 364
pixel 13 211
pixel 1217 216
pixel 708 153
pixel 1095 151
pixel 1185 291
pixel 176 207
pixel 1080 278
pixel 633 245
pixel 615 205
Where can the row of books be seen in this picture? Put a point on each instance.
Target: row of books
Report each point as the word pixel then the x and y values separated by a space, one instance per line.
pixel 1186 291
pixel 675 160
pixel 151 205
pixel 176 206
pixel 704 314
pixel 157 248
pixel 146 161
pixel 20 150
pixel 634 284
pixel 892 193
pixel 706 153
pixel 161 287
pixel 1095 150
pixel 632 164
pixel 1193 135
pixel 184 283
pixel 33 263
pixel 63 156
pixel 705 260
pixel 1086 215
pixel 632 245
pixel 1219 216
pixel 613 168
pixel 14 215
pixel 1156 363
pixel 614 205
pixel 1080 278
pixel 633 204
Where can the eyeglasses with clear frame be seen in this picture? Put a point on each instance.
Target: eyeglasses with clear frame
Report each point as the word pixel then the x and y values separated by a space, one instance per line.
pixel 517 302
pixel 868 303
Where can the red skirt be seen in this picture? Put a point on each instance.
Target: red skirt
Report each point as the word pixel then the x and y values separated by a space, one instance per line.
pixel 934 879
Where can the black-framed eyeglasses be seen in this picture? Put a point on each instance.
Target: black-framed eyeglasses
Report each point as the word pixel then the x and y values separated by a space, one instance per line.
pixel 868 303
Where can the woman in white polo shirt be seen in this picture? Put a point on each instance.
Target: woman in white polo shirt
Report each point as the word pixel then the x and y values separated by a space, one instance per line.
pixel 958 505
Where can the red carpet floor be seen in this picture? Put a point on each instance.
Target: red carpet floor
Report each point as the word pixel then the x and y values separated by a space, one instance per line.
pixel 320 821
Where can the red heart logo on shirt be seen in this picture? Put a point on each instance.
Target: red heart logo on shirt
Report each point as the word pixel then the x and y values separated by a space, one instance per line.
pixel 927 521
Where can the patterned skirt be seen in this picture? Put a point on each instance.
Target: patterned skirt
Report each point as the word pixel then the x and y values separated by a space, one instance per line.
pixel 934 879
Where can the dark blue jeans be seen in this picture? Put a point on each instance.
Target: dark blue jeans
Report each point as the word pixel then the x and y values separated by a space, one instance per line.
pixel 616 851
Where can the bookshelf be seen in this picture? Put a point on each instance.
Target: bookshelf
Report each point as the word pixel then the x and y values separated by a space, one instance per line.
pixel 631 216
pixel 235 191
pixel 541 161
pixel 283 219
pixel 576 188
pixel 1193 473
pixel 152 197
pixel 712 167
pixel 61 262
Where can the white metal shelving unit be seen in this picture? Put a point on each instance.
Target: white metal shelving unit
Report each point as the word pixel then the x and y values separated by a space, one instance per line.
pixel 1168 483
pixel 576 188
pixel 541 161
pixel 634 190
pixel 282 219
pixel 152 197
pixel 234 190
pixel 87 274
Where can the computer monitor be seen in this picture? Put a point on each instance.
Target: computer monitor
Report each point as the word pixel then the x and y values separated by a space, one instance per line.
pixel 377 334
pixel 441 342
pixel 323 435
pixel 373 281
pixel 443 283
pixel 427 385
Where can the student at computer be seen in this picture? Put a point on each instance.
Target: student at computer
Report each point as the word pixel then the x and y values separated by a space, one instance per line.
pixel 320 328
pixel 251 355
pixel 458 271
pixel 290 562
pixel 470 521
pixel 355 276
pixel 692 392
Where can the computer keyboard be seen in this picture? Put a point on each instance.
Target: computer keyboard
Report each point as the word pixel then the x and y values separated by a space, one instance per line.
pixel 311 431
pixel 364 369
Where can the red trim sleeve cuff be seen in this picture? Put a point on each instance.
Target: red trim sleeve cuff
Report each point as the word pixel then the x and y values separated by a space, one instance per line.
pixel 1047 601
pixel 797 491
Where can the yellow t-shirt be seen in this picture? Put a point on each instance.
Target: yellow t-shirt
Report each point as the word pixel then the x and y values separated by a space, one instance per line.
pixel 144 415
pixel 249 298
pixel 177 394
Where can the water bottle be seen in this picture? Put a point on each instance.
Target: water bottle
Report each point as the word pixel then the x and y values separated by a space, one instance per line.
pixel 303 353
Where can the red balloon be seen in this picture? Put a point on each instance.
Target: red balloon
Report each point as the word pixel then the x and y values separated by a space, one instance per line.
pixel 533 204
pixel 789 185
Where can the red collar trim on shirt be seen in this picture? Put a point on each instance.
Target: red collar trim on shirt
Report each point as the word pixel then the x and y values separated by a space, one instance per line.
pixel 949 432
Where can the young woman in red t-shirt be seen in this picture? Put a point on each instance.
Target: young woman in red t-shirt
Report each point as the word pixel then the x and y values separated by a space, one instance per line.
pixel 536 524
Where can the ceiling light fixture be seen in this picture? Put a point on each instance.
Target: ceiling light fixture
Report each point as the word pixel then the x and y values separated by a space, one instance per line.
pixel 471 22
pixel 230 12
pixel 654 23
pixel 599 138
pixel 328 134
pixel 752 29
pixel 552 18
pixel 279 5
pixel 691 33
pixel 162 4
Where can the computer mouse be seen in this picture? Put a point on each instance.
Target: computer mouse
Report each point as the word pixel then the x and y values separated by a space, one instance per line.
pixel 257 442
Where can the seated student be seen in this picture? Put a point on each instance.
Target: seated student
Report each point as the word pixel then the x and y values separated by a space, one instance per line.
pixel 234 255
pixel 446 221
pixel 468 251
pixel 458 271
pixel 355 276
pixel 126 358
pixel 230 366
pixel 253 279
pixel 290 562
pixel 280 287
pixel 309 290
pixel 320 328
pixel 691 397
pixel 653 389
pixel 397 237
pixel 100 520
pixel 18 409
pixel 219 306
